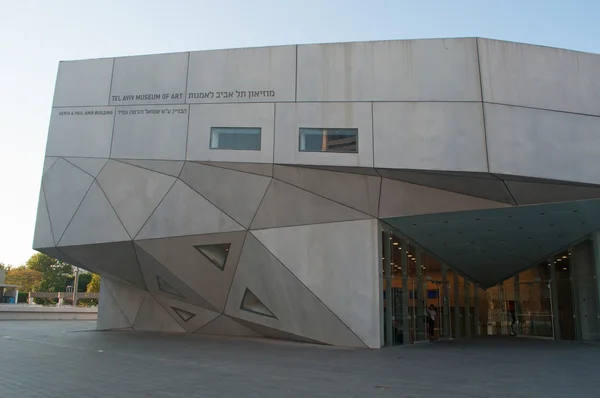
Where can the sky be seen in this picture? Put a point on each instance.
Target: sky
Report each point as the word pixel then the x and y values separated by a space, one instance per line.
pixel 36 35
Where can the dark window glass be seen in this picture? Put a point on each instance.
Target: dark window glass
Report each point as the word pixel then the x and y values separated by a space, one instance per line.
pixel 244 138
pixel 329 140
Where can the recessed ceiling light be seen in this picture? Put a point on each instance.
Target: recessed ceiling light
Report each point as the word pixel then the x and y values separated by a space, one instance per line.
pixel 395 243
pixel 564 256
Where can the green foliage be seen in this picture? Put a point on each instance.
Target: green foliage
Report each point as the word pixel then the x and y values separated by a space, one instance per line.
pixel 55 274
pixel 5 267
pixel 84 279
pixel 23 297
pixel 94 285
pixel 27 279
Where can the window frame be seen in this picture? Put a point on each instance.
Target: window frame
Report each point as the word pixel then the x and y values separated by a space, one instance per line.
pixel 327 128
pixel 210 138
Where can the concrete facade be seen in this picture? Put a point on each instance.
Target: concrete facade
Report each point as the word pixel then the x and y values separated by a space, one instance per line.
pixel 450 132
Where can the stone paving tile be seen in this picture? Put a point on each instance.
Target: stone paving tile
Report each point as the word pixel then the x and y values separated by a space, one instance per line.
pixel 69 359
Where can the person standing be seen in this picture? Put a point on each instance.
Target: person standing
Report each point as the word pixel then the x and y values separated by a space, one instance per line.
pixel 431 314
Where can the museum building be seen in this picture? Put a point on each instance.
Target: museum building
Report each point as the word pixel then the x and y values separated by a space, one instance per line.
pixel 351 194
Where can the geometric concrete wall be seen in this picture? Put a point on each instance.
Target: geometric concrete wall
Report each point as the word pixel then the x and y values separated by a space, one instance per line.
pixel 281 243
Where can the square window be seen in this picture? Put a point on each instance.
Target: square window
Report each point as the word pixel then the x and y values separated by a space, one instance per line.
pixel 329 140
pixel 236 138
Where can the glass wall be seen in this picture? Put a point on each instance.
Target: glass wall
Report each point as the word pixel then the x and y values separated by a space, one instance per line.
pixel 423 299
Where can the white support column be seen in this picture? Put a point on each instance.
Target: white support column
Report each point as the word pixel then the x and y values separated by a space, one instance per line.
pixel 405 293
pixel 554 299
pixel 467 309
pixel 457 334
pixel 476 309
pixel 445 301
pixel 596 250
pixel 389 298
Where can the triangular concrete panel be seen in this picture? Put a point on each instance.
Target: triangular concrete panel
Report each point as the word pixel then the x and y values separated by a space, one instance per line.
pixel 277 334
pixel 153 270
pixel 298 311
pixel 529 193
pixel 116 260
pixel 65 187
pixel 92 166
pixel 400 198
pixel 94 222
pixel 224 325
pixel 360 192
pixel 367 171
pixel 196 317
pixel 49 162
pixel 56 253
pixel 483 185
pixel 184 212
pixel 237 194
pixel 153 317
pixel 344 279
pixel 285 205
pixel 42 236
pixel 264 169
pixel 180 257
pixel 128 297
pixel 110 315
pixel 133 192
pixel 169 167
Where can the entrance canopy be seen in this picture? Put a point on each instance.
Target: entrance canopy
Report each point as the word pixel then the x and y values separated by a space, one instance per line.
pixel 492 245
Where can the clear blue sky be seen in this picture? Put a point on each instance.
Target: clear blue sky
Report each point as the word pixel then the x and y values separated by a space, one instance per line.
pixel 35 35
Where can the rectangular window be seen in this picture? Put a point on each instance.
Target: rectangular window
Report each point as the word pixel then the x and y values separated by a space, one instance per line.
pixel 244 138
pixel 329 140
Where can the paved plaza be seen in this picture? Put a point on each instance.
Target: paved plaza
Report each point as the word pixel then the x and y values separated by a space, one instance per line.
pixel 69 359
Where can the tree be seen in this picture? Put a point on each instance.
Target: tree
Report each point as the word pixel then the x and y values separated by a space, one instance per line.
pixel 26 279
pixel 55 274
pixel 5 267
pixel 84 280
pixel 94 285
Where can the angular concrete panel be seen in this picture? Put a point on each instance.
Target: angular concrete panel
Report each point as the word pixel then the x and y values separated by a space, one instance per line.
pixel 277 334
pixel 84 132
pixel 237 194
pixel 286 205
pixel 133 192
pixel 290 117
pixel 95 211
pixel 360 192
pixel 42 236
pixel 404 199
pixel 180 257
pixel 481 185
pixel 528 193
pixel 92 166
pixel 400 70
pixel 83 83
pixel 150 132
pixel 540 77
pixel 367 171
pixel 110 315
pixel 168 167
pixel 116 260
pixel 263 169
pixel 184 212
pixel 153 317
pixel 48 163
pixel 189 317
pixel 128 297
pixel 543 144
pixel 149 79
pixel 161 281
pixel 204 117
pixel 65 186
pixel 243 75
pixel 297 310
pixel 346 279
pixel 225 326
pixel 429 136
